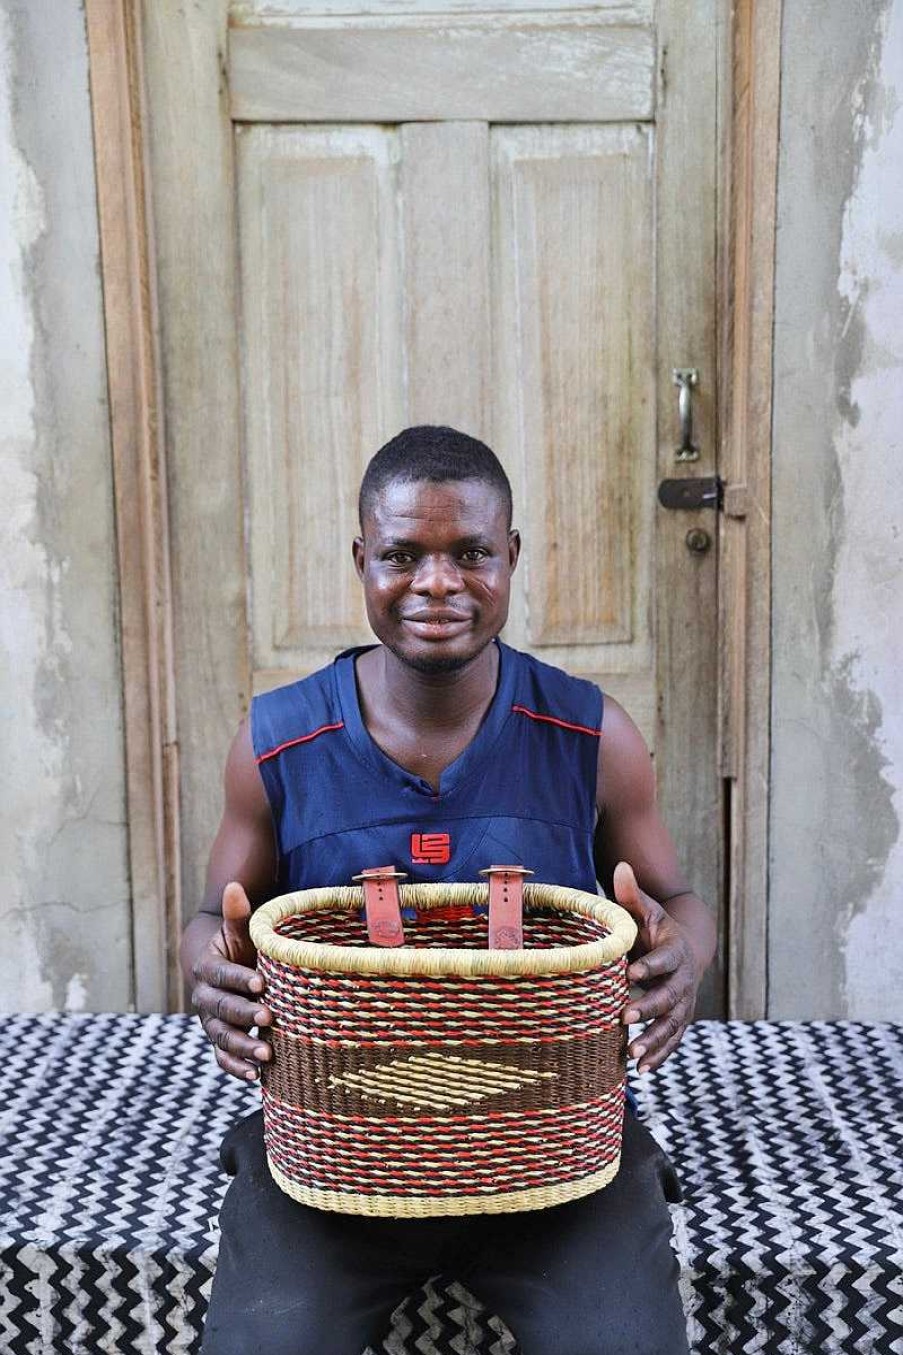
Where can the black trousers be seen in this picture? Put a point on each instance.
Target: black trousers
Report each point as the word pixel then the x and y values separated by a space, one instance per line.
pixel 594 1277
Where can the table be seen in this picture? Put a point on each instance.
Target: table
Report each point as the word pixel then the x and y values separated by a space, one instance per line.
pixel 786 1136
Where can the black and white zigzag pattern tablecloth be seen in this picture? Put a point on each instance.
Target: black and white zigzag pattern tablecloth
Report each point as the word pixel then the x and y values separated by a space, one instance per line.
pixel 787 1138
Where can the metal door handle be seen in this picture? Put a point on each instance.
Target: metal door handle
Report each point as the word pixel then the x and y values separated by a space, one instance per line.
pixel 685 378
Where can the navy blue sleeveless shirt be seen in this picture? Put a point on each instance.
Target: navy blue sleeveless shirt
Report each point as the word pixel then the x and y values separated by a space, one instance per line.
pixel 523 792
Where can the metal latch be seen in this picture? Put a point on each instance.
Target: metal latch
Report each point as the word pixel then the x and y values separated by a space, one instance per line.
pixel 700 491
pixel 704 491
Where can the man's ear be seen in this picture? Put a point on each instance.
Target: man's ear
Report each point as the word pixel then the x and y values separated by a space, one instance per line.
pixel 513 548
pixel 357 551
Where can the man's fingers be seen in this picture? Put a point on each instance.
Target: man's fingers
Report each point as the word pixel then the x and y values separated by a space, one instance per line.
pixel 231 1041
pixel 657 1043
pixel 659 1001
pixel 248 1072
pixel 228 992
pixel 657 1033
pixel 656 963
pixel 228 1007
pixel 234 978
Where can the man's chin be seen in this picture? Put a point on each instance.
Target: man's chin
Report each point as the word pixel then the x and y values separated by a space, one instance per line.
pixel 434 664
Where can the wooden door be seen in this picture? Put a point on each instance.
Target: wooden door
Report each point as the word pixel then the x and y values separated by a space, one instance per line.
pixel 503 221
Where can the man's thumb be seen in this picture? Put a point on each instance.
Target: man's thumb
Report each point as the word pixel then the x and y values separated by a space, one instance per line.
pixel 236 911
pixel 627 891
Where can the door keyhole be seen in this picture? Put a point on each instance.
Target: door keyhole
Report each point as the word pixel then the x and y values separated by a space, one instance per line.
pixel 698 540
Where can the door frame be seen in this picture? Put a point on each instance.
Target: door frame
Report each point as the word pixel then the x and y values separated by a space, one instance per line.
pixel 126 44
pixel 746 321
pixel 135 403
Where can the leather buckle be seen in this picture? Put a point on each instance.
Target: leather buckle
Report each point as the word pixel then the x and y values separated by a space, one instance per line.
pixel 381 905
pixel 506 906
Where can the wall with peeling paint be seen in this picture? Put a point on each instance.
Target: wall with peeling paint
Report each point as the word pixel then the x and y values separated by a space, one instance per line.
pixel 836 887
pixel 65 901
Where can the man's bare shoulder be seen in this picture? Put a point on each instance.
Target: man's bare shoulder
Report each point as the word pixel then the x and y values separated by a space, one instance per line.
pixel 245 793
pixel 244 849
pixel 626 774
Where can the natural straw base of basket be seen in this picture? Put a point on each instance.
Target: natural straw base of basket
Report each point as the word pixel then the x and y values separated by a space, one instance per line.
pixel 422 1206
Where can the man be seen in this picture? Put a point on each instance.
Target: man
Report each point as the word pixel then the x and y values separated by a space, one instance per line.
pixel 440 728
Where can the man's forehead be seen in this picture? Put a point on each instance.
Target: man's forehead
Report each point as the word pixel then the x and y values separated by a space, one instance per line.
pixel 465 506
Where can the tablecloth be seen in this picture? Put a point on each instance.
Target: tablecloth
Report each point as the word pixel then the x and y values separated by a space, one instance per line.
pixel 786 1136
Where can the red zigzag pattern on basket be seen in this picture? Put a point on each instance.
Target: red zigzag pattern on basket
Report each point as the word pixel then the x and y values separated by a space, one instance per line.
pixel 437 1155
pixel 363 1008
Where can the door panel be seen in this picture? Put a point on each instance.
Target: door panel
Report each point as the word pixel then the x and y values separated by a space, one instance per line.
pixel 321 337
pixel 574 346
pixel 397 69
pixel 447 290
pixel 290 11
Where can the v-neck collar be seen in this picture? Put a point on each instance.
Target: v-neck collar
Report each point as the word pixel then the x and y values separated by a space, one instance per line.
pixel 464 764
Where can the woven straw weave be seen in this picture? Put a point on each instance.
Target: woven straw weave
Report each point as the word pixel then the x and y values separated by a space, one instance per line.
pixel 441 1077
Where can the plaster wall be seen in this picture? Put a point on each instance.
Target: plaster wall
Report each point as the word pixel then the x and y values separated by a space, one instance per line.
pixel 64 908
pixel 836 870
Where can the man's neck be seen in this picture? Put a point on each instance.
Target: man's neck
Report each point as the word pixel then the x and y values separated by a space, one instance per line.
pixel 439 701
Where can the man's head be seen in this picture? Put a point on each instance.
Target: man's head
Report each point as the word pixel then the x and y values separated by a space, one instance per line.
pixel 435 454
pixel 436 549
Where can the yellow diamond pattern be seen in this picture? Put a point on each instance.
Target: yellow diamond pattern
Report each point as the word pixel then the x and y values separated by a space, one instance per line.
pixel 438 1081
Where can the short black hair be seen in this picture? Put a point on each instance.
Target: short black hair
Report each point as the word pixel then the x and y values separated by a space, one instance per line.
pixel 435 453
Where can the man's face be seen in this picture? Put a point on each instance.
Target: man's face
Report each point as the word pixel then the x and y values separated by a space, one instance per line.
pixel 436 563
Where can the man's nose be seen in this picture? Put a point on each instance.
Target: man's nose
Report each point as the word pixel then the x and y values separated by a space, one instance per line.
pixel 437 576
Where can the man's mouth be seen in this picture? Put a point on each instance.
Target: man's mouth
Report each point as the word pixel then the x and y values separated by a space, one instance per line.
pixel 436 625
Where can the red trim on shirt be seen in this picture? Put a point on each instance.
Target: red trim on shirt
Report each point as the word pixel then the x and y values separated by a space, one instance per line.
pixel 303 738
pixel 553 720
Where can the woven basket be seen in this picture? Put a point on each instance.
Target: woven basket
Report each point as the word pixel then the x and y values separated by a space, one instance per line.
pixel 443 1077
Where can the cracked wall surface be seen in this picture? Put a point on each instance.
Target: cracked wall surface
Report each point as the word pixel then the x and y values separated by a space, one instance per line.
pixel 836 870
pixel 65 903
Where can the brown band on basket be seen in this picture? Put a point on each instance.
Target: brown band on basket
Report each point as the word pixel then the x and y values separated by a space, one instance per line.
pixel 506 906
pixel 380 885
pixel 445 1078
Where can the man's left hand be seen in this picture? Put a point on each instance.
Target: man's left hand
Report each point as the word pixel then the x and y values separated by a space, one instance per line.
pixel 667 968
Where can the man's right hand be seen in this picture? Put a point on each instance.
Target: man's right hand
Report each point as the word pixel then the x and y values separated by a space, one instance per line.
pixel 228 989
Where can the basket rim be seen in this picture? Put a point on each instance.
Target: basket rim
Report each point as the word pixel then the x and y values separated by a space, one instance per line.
pixel 428 961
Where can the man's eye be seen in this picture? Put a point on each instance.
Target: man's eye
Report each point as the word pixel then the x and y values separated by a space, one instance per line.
pixel 475 555
pixel 399 557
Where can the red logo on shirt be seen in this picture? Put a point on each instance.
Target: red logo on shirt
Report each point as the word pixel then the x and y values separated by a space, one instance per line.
pixel 430 849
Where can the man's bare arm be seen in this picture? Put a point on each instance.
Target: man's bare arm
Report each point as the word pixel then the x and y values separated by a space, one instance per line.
pixel 217 954
pixel 637 863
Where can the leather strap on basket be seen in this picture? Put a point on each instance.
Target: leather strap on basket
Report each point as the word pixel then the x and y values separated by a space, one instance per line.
pixel 381 905
pixel 506 906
